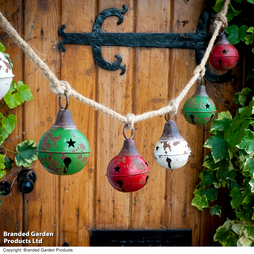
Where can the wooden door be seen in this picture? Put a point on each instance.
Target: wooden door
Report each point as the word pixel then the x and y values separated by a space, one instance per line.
pixel 70 206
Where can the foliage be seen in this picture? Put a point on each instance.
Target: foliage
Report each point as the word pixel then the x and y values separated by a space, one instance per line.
pixel 230 163
pixel 25 151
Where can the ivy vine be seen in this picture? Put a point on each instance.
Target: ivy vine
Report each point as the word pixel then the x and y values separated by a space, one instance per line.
pixel 230 163
pixel 25 152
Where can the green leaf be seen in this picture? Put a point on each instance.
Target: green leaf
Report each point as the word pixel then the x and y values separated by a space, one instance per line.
pixel 2 160
pixel 237 199
pixel 218 5
pixel 225 236
pixel 12 100
pixel 8 163
pixel 249 232
pixel 233 34
pixel 222 123
pixel 200 202
pixel 208 177
pixel 247 142
pixel 231 12
pixel 2 173
pixel 2 47
pixel 219 148
pixel 26 153
pixel 249 166
pixel 24 92
pixel 250 1
pixel 210 193
pixel 249 38
pixel 209 162
pixel 251 183
pixel 235 134
pixel 9 123
pixel 243 95
pixel 215 210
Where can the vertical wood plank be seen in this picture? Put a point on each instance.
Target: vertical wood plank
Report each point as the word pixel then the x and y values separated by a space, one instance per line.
pixel 11 208
pixel 41 31
pixel 151 92
pixel 77 67
pixel 182 182
pixel 114 91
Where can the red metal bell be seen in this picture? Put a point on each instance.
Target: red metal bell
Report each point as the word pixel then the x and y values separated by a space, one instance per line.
pixel 223 56
pixel 128 171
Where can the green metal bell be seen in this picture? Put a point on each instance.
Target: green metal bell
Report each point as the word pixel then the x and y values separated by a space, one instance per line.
pixel 63 149
pixel 199 109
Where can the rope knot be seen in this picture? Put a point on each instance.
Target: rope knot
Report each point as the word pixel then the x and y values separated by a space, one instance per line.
pixel 201 70
pixel 130 121
pixel 60 88
pixel 174 106
pixel 222 18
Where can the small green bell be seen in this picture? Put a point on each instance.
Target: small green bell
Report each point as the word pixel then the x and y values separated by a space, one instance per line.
pixel 63 149
pixel 199 109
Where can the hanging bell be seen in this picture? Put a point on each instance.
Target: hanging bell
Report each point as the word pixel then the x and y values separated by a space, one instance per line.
pixel 223 56
pixel 128 171
pixel 63 149
pixel 171 151
pixel 199 109
pixel 5 75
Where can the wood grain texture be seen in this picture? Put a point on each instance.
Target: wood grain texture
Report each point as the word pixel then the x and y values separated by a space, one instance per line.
pixel 78 68
pixel 182 182
pixel 41 32
pixel 114 91
pixel 11 209
pixel 151 92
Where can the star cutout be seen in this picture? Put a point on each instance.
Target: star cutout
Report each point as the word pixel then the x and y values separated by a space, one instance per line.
pixel 157 148
pixel 117 168
pixel 207 106
pixel 146 164
pixel 71 143
pixel 224 51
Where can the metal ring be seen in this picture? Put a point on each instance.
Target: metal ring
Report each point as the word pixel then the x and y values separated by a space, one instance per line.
pixel 67 101
pixel 169 120
pixel 201 80
pixel 133 133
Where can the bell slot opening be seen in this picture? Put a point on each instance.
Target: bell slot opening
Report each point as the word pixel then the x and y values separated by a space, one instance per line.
pixel 120 183
pixel 192 118
pixel 211 118
pixel 220 63
pixel 67 162
pixel 168 160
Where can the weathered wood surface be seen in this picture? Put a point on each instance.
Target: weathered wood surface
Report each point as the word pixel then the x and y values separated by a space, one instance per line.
pixel 70 206
pixel 11 210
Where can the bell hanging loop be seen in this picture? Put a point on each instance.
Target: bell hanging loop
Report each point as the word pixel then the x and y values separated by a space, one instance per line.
pixel 67 101
pixel 133 133
pixel 170 120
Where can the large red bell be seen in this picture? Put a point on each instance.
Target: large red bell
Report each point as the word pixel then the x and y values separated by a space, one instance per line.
pixel 223 56
pixel 128 171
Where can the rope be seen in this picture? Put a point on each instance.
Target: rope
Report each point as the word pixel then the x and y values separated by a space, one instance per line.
pixel 60 87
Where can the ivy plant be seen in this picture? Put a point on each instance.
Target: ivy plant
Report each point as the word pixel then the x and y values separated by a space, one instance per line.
pixel 25 152
pixel 230 162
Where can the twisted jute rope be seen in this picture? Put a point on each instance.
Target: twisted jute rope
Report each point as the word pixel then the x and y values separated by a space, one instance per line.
pixel 60 87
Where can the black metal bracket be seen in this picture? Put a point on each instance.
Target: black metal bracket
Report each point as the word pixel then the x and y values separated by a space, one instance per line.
pixel 198 41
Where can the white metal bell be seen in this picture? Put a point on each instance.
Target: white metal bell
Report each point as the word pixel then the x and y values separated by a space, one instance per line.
pixel 171 151
pixel 6 75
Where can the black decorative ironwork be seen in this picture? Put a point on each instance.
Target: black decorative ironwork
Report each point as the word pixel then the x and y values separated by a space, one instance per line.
pixel 198 41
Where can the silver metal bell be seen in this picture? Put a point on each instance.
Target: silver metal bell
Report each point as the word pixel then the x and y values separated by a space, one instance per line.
pixel 171 151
